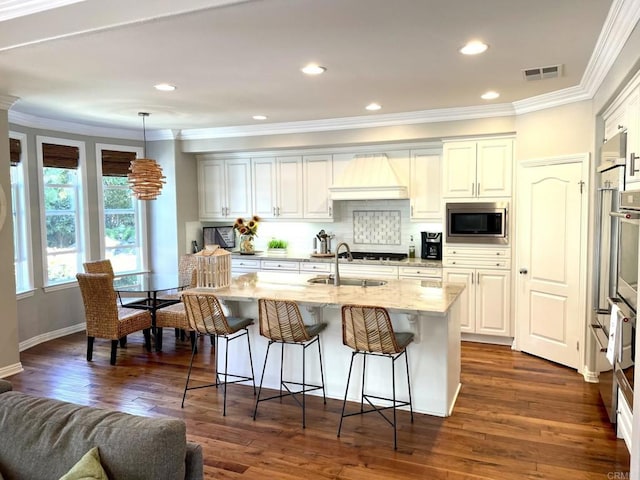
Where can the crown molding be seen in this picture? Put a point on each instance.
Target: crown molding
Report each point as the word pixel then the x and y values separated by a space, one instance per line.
pixel 348 123
pixel 6 101
pixel 10 9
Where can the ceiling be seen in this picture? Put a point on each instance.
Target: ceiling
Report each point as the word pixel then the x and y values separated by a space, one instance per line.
pixel 95 62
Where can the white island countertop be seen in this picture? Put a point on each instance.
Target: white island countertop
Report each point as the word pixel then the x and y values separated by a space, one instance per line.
pixel 402 296
pixel 430 310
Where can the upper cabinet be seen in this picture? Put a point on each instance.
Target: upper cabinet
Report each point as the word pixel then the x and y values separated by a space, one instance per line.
pixel 224 189
pixel 477 169
pixel 317 178
pixel 277 186
pixel 425 203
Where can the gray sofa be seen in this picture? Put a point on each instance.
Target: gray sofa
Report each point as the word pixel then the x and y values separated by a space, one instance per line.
pixel 42 439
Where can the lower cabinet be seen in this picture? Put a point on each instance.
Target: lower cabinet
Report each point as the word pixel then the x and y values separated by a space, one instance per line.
pixel 486 302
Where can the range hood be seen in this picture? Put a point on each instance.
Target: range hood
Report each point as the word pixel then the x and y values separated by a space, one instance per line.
pixel 368 177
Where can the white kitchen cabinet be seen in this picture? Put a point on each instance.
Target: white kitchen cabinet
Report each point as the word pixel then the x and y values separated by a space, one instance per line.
pixel 425 203
pixel 632 116
pixel 244 265
pixel 317 178
pixel 316 267
pixel 486 300
pixel 368 271
pixel 224 189
pixel 280 265
pixel 477 168
pixel 277 187
pixel 420 273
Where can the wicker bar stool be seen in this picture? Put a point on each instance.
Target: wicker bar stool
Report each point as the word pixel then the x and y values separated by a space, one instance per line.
pixel 206 317
pixel 281 322
pixel 368 331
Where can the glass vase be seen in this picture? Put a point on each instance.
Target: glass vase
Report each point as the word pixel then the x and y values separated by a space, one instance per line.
pixel 246 244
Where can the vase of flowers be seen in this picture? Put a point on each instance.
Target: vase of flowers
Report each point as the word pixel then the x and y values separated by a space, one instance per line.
pixel 247 229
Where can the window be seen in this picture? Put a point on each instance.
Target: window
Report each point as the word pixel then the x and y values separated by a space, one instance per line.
pixel 20 212
pixel 122 224
pixel 62 177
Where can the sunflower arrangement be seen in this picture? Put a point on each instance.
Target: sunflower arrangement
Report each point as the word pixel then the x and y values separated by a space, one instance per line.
pixel 247 227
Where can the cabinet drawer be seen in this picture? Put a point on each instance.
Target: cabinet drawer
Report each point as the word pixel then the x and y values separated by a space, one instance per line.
pixel 280 265
pixel 315 267
pixel 487 252
pixel 243 264
pixel 420 272
pixel 500 263
pixel 385 271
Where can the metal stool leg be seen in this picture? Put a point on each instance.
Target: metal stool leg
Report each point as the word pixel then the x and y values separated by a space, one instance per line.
pixel 364 368
pixel 226 366
pixel 324 395
pixel 281 364
pixel 406 360
pixel 255 410
pixel 193 353
pixel 393 384
pixel 346 390
pixel 253 375
pixel 304 384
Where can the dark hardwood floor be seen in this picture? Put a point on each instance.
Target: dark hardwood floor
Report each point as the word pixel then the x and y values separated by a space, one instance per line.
pixel 517 417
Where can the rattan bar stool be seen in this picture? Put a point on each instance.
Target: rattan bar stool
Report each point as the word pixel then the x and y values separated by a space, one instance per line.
pixel 206 317
pixel 368 331
pixel 281 322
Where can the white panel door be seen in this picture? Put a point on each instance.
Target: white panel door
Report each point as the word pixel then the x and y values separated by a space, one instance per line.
pixel 318 177
pixel 494 168
pixel 289 187
pixel 632 116
pixel 211 186
pixel 493 302
pixel 238 188
pixel 264 186
pixel 459 169
pixel 549 232
pixel 425 187
pixel 467 298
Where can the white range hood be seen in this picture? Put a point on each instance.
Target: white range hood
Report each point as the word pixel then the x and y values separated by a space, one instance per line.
pixel 368 177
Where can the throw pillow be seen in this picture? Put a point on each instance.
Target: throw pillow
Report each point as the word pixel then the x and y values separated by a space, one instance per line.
pixel 87 468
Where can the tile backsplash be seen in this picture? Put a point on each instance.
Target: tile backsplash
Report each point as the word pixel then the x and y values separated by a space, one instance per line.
pixel 377 227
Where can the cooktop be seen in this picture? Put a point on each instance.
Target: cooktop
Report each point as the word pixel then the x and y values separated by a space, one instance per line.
pixel 374 256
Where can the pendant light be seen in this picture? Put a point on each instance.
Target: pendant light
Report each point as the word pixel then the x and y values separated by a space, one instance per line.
pixel 145 177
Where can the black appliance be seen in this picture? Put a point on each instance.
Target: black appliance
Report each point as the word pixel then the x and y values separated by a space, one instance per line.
pixel 431 245
pixel 374 256
pixel 478 223
pixel 224 237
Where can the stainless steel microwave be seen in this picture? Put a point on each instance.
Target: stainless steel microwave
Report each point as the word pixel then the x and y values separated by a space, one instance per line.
pixel 478 223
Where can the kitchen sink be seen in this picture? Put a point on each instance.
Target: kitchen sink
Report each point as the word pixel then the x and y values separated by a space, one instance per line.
pixel 354 282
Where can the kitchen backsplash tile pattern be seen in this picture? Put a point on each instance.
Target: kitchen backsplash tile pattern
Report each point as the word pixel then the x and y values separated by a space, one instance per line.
pixel 377 227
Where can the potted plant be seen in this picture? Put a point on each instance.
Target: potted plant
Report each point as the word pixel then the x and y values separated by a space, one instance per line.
pixel 278 247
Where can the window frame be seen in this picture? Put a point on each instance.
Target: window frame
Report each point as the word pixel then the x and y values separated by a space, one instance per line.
pixel 141 205
pixel 83 249
pixel 22 228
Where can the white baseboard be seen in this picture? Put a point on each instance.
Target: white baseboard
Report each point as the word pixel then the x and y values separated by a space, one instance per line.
pixel 493 339
pixel 45 337
pixel 11 370
pixel 589 376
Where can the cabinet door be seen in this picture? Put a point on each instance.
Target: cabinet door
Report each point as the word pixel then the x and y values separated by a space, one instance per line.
pixel 317 178
pixel 425 187
pixel 632 110
pixel 289 187
pixel 493 302
pixel 238 187
pixel 211 189
pixel 264 186
pixel 459 169
pixel 467 298
pixel 494 168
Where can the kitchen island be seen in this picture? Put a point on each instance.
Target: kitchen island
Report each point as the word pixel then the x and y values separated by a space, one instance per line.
pixel 431 311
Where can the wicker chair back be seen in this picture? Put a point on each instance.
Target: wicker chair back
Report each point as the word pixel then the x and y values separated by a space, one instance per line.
pixel 280 320
pixel 205 314
pixel 368 329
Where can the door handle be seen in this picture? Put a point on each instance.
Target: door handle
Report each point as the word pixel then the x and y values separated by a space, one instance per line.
pixel 473 189
pixel 523 271
pixel 274 211
pixel 478 189
pixel 632 166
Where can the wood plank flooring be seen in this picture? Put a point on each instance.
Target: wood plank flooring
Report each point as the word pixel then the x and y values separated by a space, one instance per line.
pixel 517 417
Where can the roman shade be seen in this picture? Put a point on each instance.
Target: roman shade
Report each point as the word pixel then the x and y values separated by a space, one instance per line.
pixel 116 163
pixel 15 149
pixel 60 156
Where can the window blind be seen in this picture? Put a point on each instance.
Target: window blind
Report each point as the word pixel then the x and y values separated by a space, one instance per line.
pixel 15 149
pixel 115 163
pixel 60 156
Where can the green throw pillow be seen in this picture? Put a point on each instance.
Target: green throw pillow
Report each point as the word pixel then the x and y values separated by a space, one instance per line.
pixel 87 468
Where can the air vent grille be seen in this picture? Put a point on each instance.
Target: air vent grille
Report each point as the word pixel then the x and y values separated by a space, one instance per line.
pixel 541 73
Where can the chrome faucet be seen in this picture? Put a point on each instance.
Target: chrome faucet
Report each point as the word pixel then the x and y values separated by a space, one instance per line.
pixel 336 279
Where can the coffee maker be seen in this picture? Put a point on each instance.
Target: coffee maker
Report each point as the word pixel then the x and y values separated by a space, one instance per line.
pixel 431 245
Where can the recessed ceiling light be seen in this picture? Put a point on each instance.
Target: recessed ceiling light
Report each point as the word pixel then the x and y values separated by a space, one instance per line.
pixel 313 69
pixel 474 48
pixel 490 95
pixel 259 117
pixel 165 87
pixel 373 106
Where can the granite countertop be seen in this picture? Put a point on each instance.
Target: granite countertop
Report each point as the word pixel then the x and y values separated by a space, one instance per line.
pixel 405 296
pixel 306 257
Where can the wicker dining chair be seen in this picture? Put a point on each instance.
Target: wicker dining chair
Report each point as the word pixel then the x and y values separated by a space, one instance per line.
pixel 103 316
pixel 281 322
pixel 368 331
pixel 173 316
pixel 207 318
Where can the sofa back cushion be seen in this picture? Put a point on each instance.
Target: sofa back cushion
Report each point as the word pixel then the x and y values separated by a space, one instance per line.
pixel 42 439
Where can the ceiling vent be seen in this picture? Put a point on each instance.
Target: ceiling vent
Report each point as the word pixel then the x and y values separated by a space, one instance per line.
pixel 541 73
